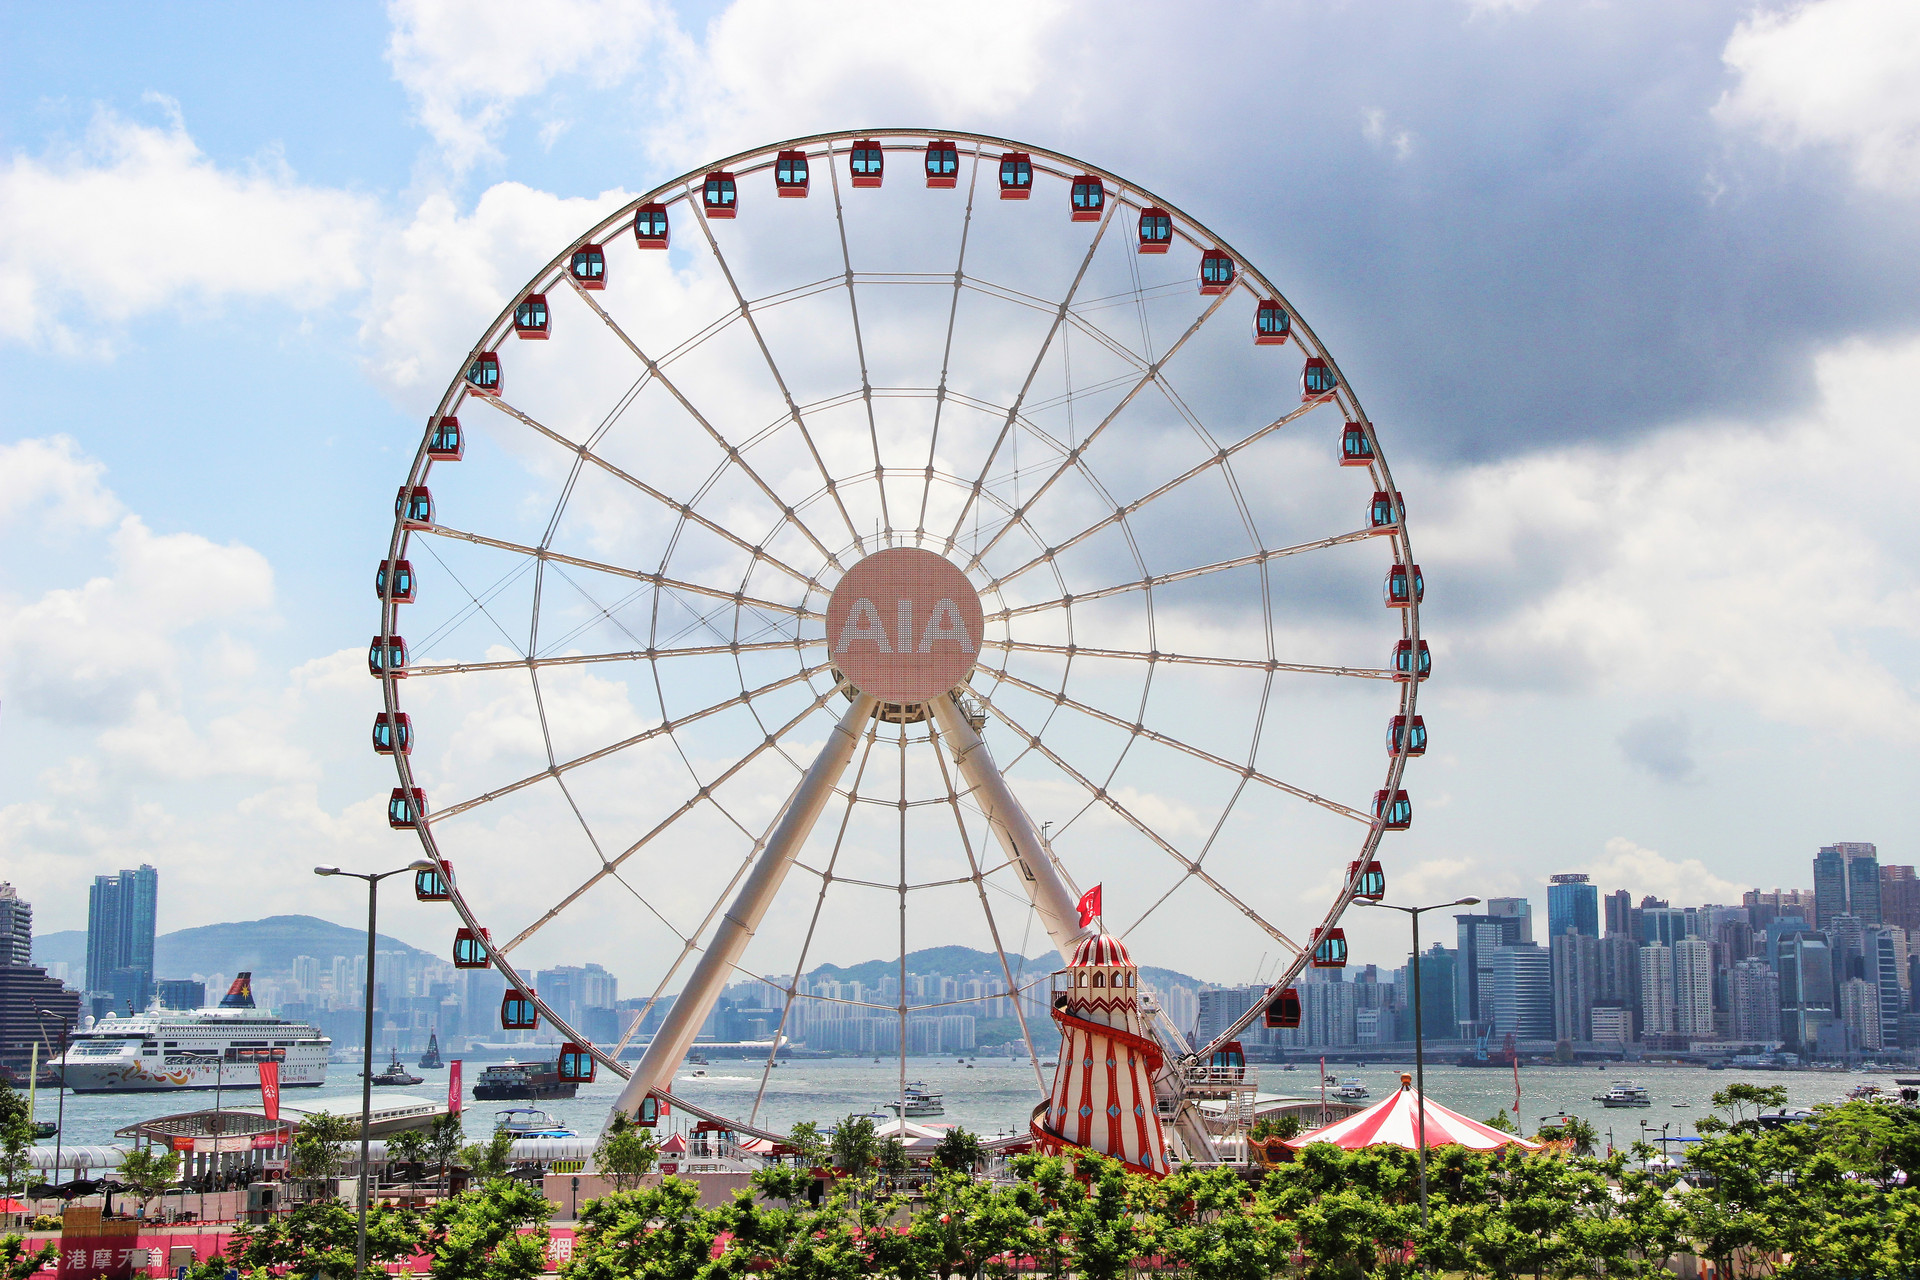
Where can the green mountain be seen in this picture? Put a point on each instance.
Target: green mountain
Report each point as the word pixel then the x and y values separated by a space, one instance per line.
pixel 263 946
pixel 948 962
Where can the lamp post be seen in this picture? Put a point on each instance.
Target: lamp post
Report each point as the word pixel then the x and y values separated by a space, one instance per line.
pixel 373 879
pixel 1419 1040
pixel 60 1123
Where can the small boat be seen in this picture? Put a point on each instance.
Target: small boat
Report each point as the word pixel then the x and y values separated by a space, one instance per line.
pixel 396 1072
pixel 1624 1093
pixel 431 1058
pixel 529 1122
pixel 919 1102
pixel 1351 1089
pixel 697 1059
pixel 529 1080
pixel 44 1129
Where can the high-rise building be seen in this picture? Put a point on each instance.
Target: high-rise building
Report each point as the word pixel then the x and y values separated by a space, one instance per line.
pixel 1619 979
pixel 1612 1024
pixel 1572 903
pixel 1846 881
pixel 1662 924
pixel 1900 898
pixel 1619 913
pixel 1884 963
pixel 1576 983
pixel 16 927
pixel 1756 1002
pixel 1693 988
pixel 180 993
pixel 1437 992
pixel 1806 988
pixel 1658 1012
pixel 1860 1013
pixel 1522 991
pixel 1514 909
pixel 121 912
pixel 1478 936
pixel 1221 1006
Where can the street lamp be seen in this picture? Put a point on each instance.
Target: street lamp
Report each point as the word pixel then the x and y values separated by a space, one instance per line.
pixel 373 880
pixel 1419 1039
pixel 66 1034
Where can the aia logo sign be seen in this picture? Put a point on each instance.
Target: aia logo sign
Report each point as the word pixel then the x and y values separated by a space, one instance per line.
pixel 904 625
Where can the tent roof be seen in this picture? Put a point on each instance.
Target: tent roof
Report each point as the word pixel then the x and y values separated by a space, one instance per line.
pixel 1394 1121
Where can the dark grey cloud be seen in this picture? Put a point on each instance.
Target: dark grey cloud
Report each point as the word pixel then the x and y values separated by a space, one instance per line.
pixel 1661 745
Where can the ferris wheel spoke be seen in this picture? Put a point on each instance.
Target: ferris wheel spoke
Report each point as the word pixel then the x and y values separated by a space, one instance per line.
pixel 793 410
pixel 664 728
pixel 681 509
pixel 978 880
pixel 1139 730
pixel 734 455
pixel 1152 375
pixel 638 575
pixel 946 349
pixel 629 655
pixel 859 347
pixel 1039 358
pixel 1190 867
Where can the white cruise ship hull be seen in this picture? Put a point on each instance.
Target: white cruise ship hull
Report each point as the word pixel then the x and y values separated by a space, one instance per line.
pixel 159 1051
pixel 151 1074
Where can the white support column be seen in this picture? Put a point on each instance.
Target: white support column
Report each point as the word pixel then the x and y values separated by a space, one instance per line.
pixel 1059 912
pixel 682 1023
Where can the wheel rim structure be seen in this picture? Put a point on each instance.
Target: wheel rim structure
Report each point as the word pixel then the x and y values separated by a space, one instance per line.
pixel 1182 647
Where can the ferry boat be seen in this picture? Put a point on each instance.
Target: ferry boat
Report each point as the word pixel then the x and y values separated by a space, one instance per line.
pixel 1624 1093
pixel 221 1047
pixel 530 1080
pixel 527 1122
pixel 920 1102
pixel 1351 1089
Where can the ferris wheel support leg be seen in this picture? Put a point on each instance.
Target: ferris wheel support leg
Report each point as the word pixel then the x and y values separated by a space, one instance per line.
pixel 1059 913
pixel 683 1022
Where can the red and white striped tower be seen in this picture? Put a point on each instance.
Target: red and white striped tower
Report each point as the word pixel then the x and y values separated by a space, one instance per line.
pixel 1103 1088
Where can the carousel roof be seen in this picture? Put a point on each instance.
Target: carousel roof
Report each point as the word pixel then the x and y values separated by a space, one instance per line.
pixel 1101 949
pixel 1394 1121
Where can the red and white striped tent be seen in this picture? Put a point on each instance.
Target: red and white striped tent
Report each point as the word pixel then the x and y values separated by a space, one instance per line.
pixel 1395 1122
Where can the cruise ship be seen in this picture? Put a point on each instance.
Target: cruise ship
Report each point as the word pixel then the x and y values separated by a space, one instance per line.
pixel 221 1047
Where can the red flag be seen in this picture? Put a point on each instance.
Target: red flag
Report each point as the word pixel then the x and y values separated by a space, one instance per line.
pixel 1089 906
pixel 270 1089
pixel 453 1087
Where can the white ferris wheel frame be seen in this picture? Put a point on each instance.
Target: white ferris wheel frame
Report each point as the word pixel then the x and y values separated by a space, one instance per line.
pixel 755 883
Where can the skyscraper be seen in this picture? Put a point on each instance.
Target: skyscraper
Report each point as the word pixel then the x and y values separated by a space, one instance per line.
pixel 1572 903
pixel 1693 988
pixel 1522 991
pixel 121 911
pixel 1657 1007
pixel 1619 913
pixel 1900 898
pixel 16 927
pixel 1478 935
pixel 1576 983
pixel 1756 1003
pixel 1806 988
pixel 1846 881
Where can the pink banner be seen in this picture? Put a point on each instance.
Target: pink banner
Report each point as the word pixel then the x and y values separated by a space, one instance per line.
pixel 453 1086
pixel 270 1089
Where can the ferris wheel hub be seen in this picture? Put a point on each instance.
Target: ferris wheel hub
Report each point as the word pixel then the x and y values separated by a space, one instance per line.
pixel 905 625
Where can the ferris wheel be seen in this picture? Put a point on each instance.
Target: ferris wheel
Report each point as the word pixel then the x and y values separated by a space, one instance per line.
pixel 874 541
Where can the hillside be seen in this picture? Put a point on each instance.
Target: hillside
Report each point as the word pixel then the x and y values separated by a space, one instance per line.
pixel 265 946
pixel 951 961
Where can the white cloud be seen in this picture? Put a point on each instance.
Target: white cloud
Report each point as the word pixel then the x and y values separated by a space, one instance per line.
pixel 467 65
pixel 49 479
pixel 136 218
pixel 1374 128
pixel 1833 73
pixel 1685 881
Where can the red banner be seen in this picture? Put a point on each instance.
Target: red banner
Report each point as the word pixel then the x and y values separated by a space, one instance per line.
pixel 270 1089
pixel 1089 906
pixel 453 1086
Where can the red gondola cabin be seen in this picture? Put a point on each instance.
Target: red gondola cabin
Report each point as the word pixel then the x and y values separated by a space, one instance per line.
pixel 1406 666
pixel 1330 949
pixel 471 950
pixel 1016 175
pixel 1404 586
pixel 719 198
pixel 1229 1061
pixel 387 655
pixel 1216 272
pixel 651 1109
pixel 650 226
pixel 445 443
pixel 1355 449
pixel 434 886
pixel 414 505
pixel 868 163
pixel 790 177
pixel 517 1013
pixel 589 266
pixel 1089 198
pixel 406 808
pixel 1395 814
pixel 1283 1011
pixel 943 165
pixel 530 319
pixel 393 733
pixel 1386 511
pixel 1156 230
pixel 402 571
pixel 1407 739
pixel 1373 881
pixel 483 375
pixel 1271 324
pixel 576 1063
pixel 1317 381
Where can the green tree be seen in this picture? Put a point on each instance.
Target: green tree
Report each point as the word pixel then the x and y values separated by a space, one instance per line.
pixel 653 1233
pixel 320 1144
pixel 146 1174
pixel 16 1136
pixel 965 1227
pixel 1736 1098
pixel 809 1148
pixel 1216 1227
pixel 408 1149
pixel 959 1149
pixel 855 1147
pixel 1503 1123
pixel 319 1239
pixel 1573 1129
pixel 1283 1126
pixel 489 1159
pixel 445 1138
pixel 891 1159
pixel 18 1264
pixel 476 1235
pixel 626 1152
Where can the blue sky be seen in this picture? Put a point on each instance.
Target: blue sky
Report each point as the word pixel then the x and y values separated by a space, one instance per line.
pixel 1630 290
